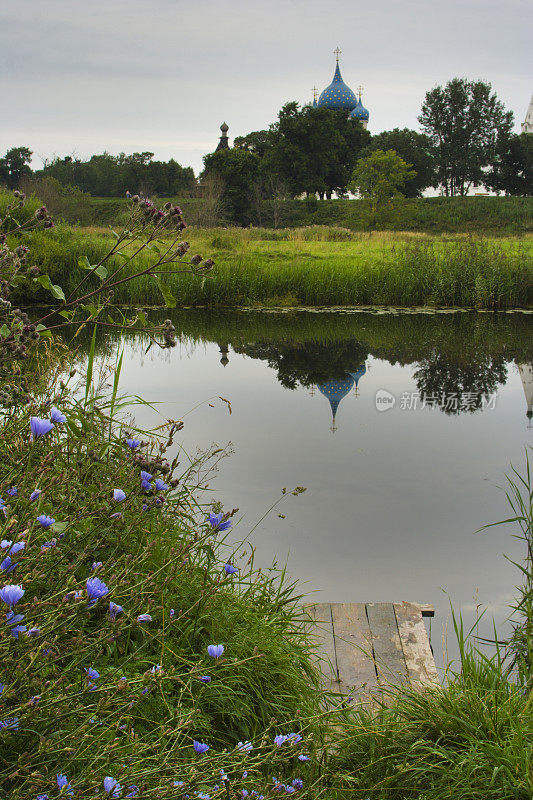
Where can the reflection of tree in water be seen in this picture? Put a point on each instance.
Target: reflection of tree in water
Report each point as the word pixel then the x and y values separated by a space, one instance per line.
pixel 458 385
pixel 308 363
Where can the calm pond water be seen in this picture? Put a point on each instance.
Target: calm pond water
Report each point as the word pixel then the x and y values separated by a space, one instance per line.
pixel 400 426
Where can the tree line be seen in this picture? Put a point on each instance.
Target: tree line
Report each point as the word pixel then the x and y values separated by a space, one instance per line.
pixel 466 141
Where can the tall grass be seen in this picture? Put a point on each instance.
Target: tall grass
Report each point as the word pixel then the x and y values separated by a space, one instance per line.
pixel 320 267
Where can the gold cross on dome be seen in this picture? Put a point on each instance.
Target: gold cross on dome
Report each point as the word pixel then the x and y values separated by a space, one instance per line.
pixel 360 91
pixel 337 52
pixel 315 92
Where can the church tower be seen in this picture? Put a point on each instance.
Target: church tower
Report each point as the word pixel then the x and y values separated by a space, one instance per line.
pixel 527 125
pixel 224 141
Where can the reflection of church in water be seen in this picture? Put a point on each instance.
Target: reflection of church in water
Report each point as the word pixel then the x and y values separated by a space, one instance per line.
pixel 336 390
pixel 526 376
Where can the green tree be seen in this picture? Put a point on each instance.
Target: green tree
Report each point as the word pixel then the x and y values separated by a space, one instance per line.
pixel 15 165
pixel 379 178
pixel 415 149
pixel 468 126
pixel 314 150
pixel 237 170
pixel 513 171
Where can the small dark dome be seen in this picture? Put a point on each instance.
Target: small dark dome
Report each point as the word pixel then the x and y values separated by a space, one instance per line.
pixel 224 128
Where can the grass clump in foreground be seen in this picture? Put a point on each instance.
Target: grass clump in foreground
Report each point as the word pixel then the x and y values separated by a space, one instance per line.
pixel 118 592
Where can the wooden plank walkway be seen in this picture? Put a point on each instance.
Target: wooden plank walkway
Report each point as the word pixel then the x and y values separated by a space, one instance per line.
pixel 364 647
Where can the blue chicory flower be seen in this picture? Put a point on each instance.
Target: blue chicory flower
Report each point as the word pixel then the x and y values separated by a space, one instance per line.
pixel 12 618
pixel 144 618
pixel 11 594
pixel 45 520
pixel 215 650
pixel 42 797
pixel 230 569
pixel 17 547
pixel 96 588
pixel 11 723
pixel 6 543
pixel 56 416
pixel 280 739
pixel 146 485
pixel 133 790
pixel 7 565
pixel 13 492
pixel 92 673
pixel 133 444
pixel 172 612
pixel 17 629
pixel 33 633
pixel 1 688
pixel 206 678
pixel 40 427
pixel 118 495
pixel 112 785
pixel 294 738
pixel 303 758
pixel 35 494
pixel 145 476
pixel 95 565
pixel 200 747
pixel 218 523
pixel 114 609
pixel 245 747
pixel 298 783
pixel 160 485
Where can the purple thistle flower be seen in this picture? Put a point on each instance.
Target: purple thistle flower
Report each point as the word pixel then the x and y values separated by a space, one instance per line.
pixel 96 589
pixel 215 650
pixel 133 444
pixel 218 523
pixel 144 618
pixel 230 569
pixel 114 609
pixel 45 521
pixel 145 476
pixel 34 495
pixel 11 594
pixel 13 492
pixel 56 416
pixel 118 495
pixel 206 678
pixel 40 427
pixel 160 485
pixel 200 747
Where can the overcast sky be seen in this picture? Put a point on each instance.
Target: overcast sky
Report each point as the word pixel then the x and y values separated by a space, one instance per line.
pixel 161 75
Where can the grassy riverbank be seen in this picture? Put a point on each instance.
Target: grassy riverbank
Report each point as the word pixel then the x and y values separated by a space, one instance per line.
pixel 312 267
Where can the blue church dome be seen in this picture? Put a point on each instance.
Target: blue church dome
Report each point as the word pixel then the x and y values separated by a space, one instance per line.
pixel 335 391
pixel 337 96
pixel 360 371
pixel 360 112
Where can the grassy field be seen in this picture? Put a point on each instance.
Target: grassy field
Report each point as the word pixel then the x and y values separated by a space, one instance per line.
pixel 319 266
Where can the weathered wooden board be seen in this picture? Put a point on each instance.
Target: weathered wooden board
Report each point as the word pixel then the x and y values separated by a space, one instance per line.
pixel 364 647
pixel 388 653
pixel 353 648
pixel 419 660
pixel 321 613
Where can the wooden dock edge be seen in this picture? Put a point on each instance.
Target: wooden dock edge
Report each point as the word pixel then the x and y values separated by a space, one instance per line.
pixel 364 647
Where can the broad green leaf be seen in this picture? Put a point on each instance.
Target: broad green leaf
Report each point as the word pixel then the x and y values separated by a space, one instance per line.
pixel 101 271
pixel 46 283
pixel 5 331
pixel 170 300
